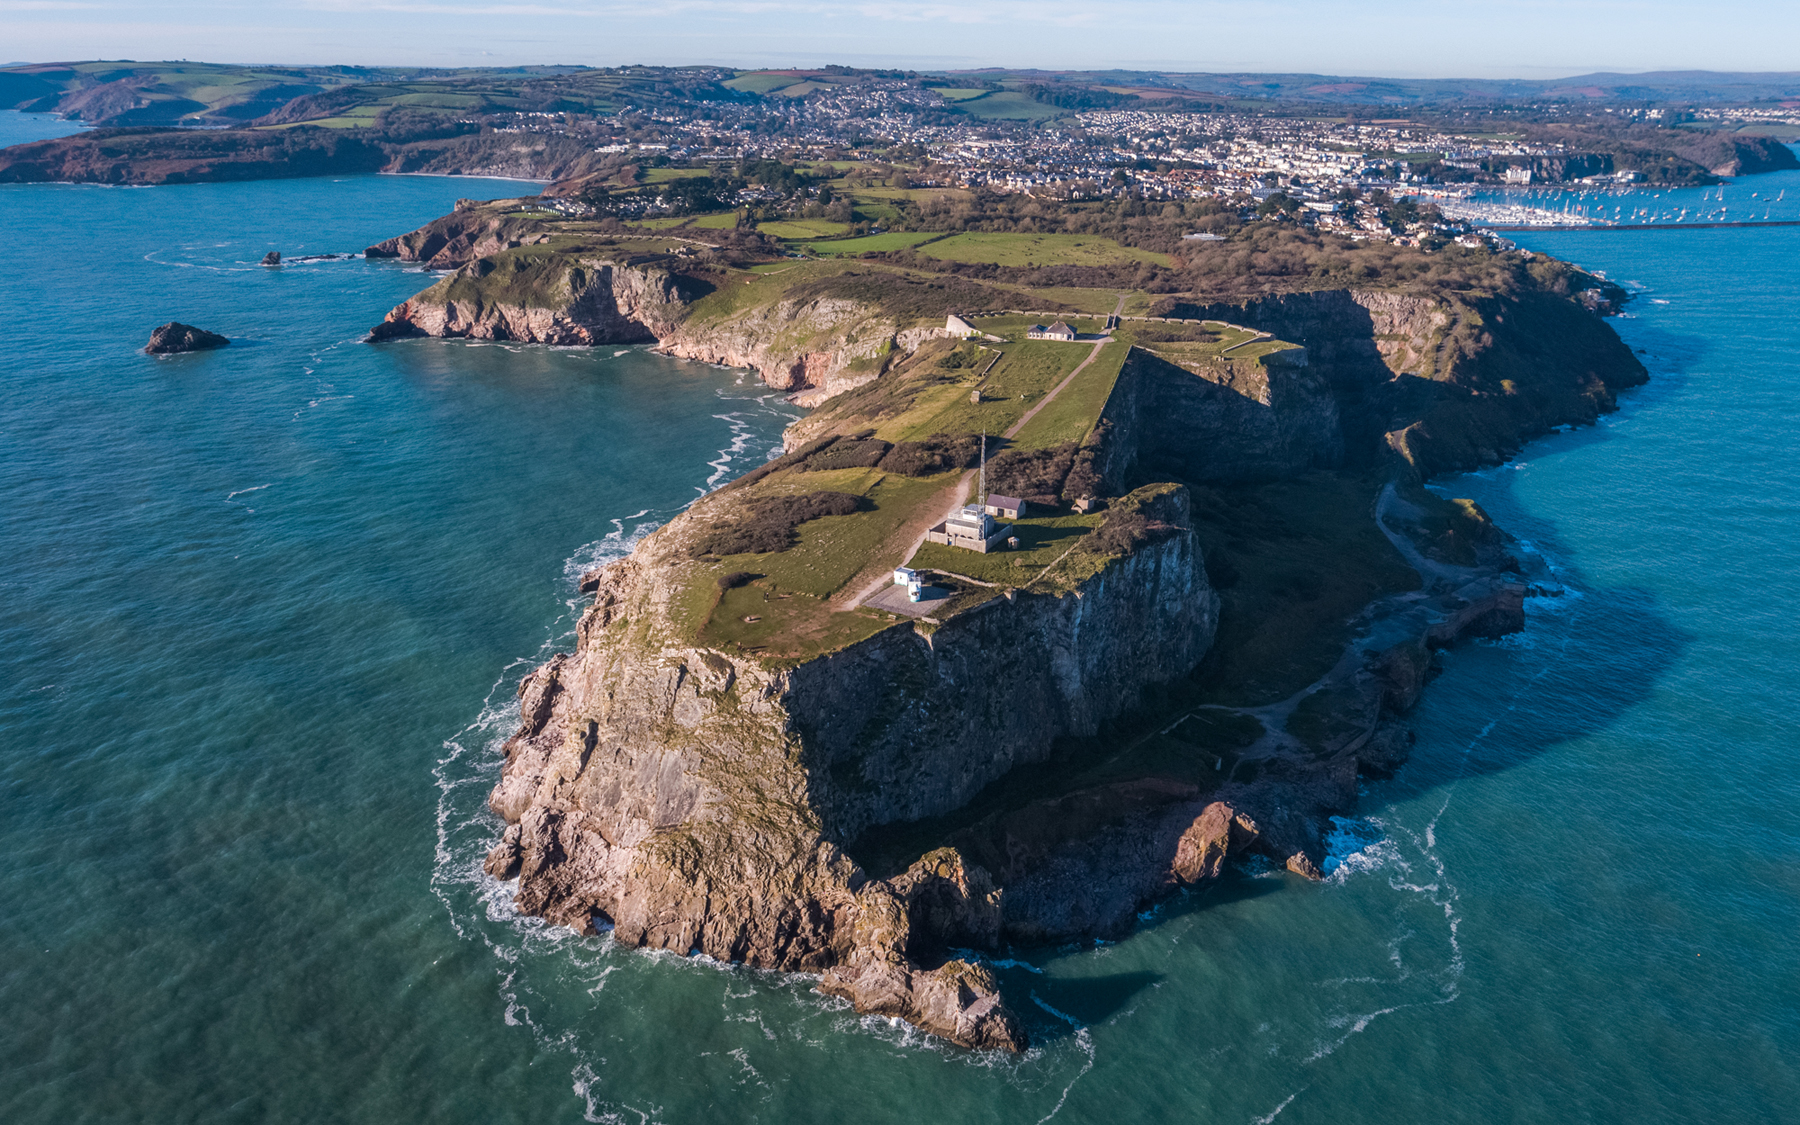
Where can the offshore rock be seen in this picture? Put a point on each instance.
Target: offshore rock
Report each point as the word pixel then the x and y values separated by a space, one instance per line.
pixel 272 258
pixel 175 337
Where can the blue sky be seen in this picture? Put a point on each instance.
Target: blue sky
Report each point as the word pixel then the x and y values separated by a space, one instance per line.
pixel 1408 38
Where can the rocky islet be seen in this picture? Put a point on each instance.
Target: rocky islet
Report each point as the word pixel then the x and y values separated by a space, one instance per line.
pixel 175 337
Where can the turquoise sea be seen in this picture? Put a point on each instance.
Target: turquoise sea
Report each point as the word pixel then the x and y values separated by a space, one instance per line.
pixel 262 612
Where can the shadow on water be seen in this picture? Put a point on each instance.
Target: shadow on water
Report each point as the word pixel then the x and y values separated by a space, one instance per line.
pixel 1054 1008
pixel 1056 1004
pixel 1586 659
pixel 1589 654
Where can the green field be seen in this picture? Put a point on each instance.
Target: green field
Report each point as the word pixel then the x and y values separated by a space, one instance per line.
pixel 1072 416
pixel 962 95
pixel 1097 302
pixel 664 175
pixel 873 243
pixel 1008 105
pixel 1039 249
pixel 724 220
pixel 758 82
pixel 803 228
pixel 1025 373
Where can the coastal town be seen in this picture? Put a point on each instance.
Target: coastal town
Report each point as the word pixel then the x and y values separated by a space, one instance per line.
pixel 1312 168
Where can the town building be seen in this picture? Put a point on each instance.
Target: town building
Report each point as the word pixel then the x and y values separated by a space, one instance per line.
pixel 1057 331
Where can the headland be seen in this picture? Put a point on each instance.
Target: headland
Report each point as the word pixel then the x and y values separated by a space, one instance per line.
pixel 1213 587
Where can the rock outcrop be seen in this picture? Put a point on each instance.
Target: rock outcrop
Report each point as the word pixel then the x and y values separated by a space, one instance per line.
pixel 510 286
pixel 1447 384
pixel 175 337
pixel 706 799
pixel 542 299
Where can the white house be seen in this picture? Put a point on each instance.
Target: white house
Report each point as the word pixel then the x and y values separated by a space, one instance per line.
pixel 905 576
pixel 1057 331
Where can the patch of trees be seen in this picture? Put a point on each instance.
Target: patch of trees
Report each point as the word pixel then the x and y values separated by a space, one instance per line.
pixel 938 453
pixel 772 523
pixel 1078 97
pixel 1046 477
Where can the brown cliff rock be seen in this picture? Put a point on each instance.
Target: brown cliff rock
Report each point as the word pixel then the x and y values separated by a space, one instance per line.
pixel 1217 834
pixel 696 800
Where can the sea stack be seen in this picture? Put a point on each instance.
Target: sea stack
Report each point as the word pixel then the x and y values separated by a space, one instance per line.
pixel 272 258
pixel 176 337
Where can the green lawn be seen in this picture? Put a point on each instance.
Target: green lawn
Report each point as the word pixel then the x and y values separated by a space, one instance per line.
pixel 872 243
pixel 832 550
pixel 783 626
pixel 1005 249
pixel 962 95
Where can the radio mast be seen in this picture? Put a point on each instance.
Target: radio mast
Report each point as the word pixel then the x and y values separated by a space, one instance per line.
pixel 981 487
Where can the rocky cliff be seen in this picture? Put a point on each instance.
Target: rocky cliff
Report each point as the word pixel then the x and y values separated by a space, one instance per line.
pixel 544 299
pixel 696 799
pixel 1448 382
pixel 512 282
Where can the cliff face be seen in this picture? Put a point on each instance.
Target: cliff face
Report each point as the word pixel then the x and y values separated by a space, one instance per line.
pixel 1224 419
pixel 544 300
pixel 1449 384
pixel 700 800
pixel 471 231
pixel 510 285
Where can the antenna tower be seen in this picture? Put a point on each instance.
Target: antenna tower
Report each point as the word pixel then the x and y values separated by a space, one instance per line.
pixel 981 487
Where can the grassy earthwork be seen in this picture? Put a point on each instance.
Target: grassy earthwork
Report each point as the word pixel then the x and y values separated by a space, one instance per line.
pixel 1007 249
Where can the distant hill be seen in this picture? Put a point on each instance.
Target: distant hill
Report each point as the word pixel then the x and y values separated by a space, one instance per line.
pixel 126 93
pixel 1687 87
pixel 212 94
